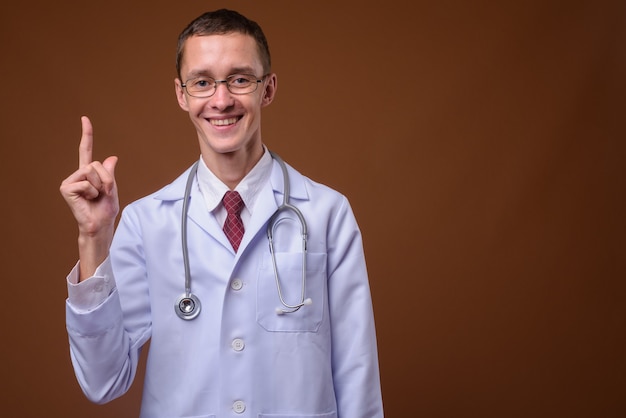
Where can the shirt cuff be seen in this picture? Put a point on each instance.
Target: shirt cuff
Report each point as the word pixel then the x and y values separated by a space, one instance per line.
pixel 91 292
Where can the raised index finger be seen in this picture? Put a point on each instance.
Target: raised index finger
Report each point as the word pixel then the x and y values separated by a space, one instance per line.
pixel 85 149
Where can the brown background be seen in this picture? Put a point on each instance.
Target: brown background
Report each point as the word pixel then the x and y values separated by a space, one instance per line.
pixel 499 130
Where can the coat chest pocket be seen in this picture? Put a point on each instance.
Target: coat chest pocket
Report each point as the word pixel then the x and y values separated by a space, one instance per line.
pixel 309 317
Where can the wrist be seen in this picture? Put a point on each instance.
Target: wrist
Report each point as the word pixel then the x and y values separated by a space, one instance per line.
pixel 93 249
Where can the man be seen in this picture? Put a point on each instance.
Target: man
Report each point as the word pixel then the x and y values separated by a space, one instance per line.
pixel 258 348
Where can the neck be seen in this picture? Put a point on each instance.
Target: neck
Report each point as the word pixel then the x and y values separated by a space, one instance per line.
pixel 232 167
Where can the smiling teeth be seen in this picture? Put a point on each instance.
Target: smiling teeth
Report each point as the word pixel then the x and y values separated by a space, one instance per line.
pixel 222 122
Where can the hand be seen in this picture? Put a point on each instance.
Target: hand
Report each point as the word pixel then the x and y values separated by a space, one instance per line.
pixel 91 193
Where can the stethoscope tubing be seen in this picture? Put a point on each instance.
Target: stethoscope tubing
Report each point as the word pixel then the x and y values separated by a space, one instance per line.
pixel 188 305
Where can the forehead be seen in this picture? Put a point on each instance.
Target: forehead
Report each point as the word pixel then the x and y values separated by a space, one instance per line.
pixel 220 55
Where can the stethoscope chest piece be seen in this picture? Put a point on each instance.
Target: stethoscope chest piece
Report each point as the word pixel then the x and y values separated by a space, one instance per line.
pixel 187 306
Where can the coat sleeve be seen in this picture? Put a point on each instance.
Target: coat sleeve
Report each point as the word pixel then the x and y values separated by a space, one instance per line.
pixel 354 350
pixel 105 342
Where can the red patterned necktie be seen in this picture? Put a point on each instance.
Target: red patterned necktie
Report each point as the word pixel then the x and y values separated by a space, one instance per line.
pixel 233 226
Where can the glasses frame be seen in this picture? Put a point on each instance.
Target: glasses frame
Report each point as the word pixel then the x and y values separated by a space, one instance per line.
pixel 225 82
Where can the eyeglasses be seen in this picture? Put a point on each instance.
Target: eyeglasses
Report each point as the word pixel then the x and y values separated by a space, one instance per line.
pixel 236 84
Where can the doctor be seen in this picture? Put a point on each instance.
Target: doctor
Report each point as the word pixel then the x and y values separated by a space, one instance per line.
pixel 241 356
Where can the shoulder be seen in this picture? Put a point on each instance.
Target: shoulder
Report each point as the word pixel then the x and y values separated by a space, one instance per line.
pixel 303 187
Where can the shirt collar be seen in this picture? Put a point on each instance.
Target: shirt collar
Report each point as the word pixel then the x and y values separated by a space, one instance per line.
pixel 213 189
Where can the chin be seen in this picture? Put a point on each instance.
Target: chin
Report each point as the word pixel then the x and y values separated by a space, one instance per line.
pixel 221 146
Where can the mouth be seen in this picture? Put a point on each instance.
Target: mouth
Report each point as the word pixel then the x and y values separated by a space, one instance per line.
pixel 224 122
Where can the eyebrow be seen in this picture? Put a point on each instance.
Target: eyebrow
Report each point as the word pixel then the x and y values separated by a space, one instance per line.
pixel 235 70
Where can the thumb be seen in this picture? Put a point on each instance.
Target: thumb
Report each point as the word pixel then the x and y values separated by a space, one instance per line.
pixel 109 164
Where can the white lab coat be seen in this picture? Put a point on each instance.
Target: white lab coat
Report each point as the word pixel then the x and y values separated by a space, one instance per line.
pixel 238 357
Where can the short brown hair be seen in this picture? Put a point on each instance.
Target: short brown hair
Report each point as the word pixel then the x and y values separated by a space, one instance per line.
pixel 220 22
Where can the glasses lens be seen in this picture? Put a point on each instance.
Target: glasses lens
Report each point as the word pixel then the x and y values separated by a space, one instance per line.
pixel 241 83
pixel 200 87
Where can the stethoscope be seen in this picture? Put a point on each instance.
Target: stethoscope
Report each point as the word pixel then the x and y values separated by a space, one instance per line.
pixel 188 305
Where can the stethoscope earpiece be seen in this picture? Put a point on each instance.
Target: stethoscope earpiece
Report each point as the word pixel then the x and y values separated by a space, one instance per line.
pixel 282 311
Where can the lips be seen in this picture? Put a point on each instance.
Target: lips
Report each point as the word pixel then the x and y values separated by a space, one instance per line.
pixel 223 122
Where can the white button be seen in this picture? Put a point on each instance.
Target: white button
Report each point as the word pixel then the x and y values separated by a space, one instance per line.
pixel 238 344
pixel 239 407
pixel 236 284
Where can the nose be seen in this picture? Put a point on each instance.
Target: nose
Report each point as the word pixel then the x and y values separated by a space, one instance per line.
pixel 222 98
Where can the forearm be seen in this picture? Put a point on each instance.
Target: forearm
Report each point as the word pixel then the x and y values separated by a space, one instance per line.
pixel 355 356
pixel 104 360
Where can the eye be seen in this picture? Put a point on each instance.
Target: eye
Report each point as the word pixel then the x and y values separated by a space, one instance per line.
pixel 238 80
pixel 200 83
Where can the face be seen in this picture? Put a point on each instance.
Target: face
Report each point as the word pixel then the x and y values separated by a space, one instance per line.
pixel 227 124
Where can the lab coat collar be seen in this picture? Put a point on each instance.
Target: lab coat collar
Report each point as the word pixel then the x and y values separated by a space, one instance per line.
pixel 266 204
pixel 296 182
pixel 176 189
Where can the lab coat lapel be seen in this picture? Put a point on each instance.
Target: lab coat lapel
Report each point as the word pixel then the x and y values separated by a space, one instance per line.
pixel 268 201
pixel 197 213
pixel 264 207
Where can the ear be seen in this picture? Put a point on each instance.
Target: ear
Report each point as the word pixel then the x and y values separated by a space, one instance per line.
pixel 269 91
pixel 180 95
